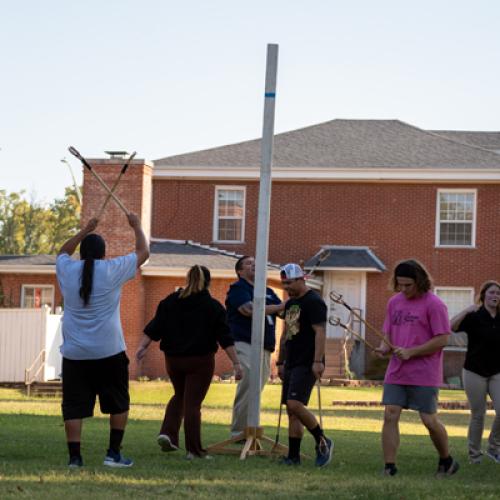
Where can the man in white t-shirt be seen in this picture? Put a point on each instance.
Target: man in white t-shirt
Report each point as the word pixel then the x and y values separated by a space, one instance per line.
pixel 93 348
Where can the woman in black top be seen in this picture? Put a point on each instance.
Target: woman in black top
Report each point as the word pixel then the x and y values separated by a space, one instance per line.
pixel 481 374
pixel 189 324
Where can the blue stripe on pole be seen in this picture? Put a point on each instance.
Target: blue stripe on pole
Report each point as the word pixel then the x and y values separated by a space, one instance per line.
pixel 270 94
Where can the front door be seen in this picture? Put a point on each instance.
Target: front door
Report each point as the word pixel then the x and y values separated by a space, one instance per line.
pixel 352 286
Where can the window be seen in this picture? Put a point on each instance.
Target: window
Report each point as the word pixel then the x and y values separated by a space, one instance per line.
pixel 456 299
pixel 456 214
pixel 36 296
pixel 229 214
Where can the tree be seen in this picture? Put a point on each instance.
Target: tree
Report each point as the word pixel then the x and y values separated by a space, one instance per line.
pixel 65 219
pixel 28 227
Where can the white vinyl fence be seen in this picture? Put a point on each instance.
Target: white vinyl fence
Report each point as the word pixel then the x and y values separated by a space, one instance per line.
pixel 24 334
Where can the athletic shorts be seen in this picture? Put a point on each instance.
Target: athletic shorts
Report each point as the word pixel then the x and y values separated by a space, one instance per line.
pixel 297 384
pixel 414 397
pixel 83 380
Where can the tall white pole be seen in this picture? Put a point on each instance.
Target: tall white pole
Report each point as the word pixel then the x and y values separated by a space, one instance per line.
pixel 259 299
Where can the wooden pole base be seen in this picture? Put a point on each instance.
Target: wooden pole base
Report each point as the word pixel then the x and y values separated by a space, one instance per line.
pixel 254 445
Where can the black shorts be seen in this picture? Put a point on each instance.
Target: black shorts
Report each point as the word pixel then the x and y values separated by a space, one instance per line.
pixel 298 384
pixel 83 380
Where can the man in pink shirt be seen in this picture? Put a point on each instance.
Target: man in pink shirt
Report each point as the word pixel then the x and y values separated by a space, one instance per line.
pixel 417 324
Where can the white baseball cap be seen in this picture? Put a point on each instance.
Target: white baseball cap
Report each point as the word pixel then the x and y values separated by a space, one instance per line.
pixel 291 272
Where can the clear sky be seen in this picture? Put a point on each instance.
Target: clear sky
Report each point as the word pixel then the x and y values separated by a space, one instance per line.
pixel 164 77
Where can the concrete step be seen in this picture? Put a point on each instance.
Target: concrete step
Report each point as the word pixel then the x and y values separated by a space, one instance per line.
pixel 44 389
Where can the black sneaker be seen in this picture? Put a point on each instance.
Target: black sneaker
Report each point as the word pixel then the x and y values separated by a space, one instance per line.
pixel 444 471
pixel 75 462
pixel 289 461
pixel 324 452
pixel 390 471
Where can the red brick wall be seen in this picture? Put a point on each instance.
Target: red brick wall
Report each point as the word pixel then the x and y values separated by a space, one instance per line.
pixel 157 289
pixel 12 284
pixel 140 297
pixel 134 191
pixel 395 220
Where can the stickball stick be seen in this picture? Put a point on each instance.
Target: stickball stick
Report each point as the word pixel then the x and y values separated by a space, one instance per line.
pixel 75 153
pixel 335 321
pixel 115 185
pixel 319 405
pixel 325 253
pixel 277 439
pixel 337 298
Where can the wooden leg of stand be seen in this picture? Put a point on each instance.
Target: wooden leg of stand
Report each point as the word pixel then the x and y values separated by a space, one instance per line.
pixel 224 446
pixel 254 445
pixel 246 448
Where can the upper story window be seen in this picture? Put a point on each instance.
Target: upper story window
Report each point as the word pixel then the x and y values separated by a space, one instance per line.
pixel 456 218
pixel 36 296
pixel 229 214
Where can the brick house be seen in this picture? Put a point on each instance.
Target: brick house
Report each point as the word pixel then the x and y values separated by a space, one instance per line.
pixel 371 191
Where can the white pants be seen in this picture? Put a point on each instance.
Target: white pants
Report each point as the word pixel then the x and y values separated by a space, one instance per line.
pixel 240 405
pixel 476 389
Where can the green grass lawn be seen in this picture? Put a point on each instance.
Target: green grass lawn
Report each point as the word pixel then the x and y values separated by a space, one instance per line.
pixel 33 453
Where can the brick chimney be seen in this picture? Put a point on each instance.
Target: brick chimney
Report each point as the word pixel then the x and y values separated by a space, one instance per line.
pixel 135 191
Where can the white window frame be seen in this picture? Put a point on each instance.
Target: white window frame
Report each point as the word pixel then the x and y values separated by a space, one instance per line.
pixel 438 219
pixel 215 235
pixel 36 285
pixel 462 289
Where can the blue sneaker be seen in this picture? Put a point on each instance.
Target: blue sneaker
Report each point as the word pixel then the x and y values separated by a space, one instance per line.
pixel 113 459
pixel 324 452
pixel 75 462
pixel 494 456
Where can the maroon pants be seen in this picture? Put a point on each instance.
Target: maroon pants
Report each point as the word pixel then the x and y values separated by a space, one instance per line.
pixel 191 377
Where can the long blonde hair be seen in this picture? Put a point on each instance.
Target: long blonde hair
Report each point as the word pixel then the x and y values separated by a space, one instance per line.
pixel 198 279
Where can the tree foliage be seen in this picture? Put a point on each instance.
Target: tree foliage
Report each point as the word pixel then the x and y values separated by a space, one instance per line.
pixel 29 227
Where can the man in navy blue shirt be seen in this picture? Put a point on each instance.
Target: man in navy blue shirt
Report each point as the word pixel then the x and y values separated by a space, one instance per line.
pixel 239 305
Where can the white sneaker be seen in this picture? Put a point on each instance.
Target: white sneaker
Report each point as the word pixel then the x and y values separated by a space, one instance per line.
pixel 166 443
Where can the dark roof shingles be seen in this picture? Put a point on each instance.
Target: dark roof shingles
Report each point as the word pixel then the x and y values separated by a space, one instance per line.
pixel 347 144
pixel 347 257
pixel 173 254
pixel 28 260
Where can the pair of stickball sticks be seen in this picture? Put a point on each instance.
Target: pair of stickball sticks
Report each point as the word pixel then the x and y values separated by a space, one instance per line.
pixel 110 191
pixel 336 321
pixel 338 299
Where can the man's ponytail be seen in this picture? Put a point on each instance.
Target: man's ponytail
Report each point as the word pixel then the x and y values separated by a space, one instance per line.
pixel 92 247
